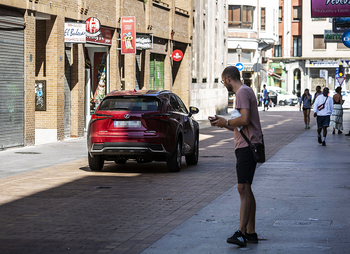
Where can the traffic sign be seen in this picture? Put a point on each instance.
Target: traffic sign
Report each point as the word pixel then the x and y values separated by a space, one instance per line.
pixel 240 66
pixel 270 72
pixel 340 80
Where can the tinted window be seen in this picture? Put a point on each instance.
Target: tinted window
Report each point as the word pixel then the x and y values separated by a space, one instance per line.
pixel 182 106
pixel 130 103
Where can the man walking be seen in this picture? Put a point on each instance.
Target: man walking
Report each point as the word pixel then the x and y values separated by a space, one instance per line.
pixel 266 98
pixel 323 108
pixel 247 106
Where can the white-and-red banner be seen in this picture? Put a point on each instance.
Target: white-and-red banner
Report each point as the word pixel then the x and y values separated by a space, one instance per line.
pixel 128 35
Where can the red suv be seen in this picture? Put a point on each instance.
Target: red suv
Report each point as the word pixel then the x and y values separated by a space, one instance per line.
pixel 145 126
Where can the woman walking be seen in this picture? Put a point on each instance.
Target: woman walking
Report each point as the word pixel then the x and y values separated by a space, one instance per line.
pixel 337 114
pixel 306 101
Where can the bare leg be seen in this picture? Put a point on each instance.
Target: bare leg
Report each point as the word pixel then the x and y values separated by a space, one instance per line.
pixel 248 208
pixel 307 117
pixel 324 131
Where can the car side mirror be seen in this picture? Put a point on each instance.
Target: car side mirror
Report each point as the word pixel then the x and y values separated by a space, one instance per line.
pixel 193 110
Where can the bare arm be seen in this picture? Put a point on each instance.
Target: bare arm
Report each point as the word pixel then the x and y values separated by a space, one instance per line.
pixel 243 120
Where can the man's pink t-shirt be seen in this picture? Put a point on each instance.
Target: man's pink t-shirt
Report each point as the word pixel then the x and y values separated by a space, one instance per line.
pixel 245 98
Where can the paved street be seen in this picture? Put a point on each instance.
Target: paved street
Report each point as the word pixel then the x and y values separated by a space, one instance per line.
pixel 52 203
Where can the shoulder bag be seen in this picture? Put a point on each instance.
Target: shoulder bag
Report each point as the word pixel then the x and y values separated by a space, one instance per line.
pixel 321 106
pixel 257 149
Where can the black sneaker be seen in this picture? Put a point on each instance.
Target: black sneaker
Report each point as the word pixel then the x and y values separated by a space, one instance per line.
pixel 319 139
pixel 237 238
pixel 251 238
pixel 324 143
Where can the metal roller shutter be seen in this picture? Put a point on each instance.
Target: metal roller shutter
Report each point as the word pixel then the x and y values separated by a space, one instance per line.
pixel 11 79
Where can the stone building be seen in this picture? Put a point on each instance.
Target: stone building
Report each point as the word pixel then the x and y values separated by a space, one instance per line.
pixel 209 54
pixel 48 86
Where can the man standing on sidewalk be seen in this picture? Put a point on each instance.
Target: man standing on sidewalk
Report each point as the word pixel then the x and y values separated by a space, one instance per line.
pixel 266 98
pixel 323 108
pixel 246 104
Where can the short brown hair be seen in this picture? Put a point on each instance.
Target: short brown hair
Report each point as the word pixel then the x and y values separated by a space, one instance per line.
pixel 231 72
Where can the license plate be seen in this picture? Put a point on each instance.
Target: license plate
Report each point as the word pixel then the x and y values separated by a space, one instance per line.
pixel 127 123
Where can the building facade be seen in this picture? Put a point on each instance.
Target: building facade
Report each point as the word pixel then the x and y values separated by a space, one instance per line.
pixel 209 53
pixel 252 32
pixel 287 63
pixel 322 59
pixel 50 87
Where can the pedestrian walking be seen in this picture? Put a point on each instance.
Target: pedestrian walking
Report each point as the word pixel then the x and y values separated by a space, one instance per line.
pixel 247 106
pixel 323 108
pixel 266 98
pixel 317 93
pixel 306 99
pixel 337 114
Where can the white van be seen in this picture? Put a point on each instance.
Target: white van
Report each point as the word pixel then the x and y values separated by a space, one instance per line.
pixel 283 97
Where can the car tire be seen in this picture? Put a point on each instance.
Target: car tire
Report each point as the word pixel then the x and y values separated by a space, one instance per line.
pixel 95 163
pixel 120 161
pixel 192 159
pixel 174 163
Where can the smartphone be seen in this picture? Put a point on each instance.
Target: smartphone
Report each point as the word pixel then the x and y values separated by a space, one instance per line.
pixel 211 118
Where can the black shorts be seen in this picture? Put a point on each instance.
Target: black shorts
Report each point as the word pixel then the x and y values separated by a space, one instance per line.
pixel 245 165
pixel 304 109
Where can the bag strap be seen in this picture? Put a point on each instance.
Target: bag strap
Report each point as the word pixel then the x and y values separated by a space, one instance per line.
pixel 248 141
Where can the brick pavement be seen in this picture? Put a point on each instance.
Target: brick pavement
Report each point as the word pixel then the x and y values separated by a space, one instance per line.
pixel 125 208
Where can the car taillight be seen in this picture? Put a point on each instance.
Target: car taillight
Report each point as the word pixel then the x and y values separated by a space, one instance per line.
pixel 161 117
pixel 96 117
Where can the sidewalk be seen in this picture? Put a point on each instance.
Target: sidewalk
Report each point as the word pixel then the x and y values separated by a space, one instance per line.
pixel 303 204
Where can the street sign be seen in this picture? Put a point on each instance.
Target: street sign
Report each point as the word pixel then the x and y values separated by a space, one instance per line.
pixel 346 38
pixel 240 66
pixel 270 72
pixel 340 80
pixel 257 67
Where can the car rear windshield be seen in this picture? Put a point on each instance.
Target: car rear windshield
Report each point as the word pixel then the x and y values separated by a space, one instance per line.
pixel 130 103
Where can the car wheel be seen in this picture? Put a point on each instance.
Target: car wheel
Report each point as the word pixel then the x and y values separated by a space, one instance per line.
pixel 96 162
pixel 282 103
pixel 174 163
pixel 192 159
pixel 120 161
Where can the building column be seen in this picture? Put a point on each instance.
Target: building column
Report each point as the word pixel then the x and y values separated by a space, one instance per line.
pixel 130 71
pixel 29 79
pixel 55 74
pixel 77 91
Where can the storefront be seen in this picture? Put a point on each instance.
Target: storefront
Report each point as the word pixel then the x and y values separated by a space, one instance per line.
pixel 12 78
pixel 96 69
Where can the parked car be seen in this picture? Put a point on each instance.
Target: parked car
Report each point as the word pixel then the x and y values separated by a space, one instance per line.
pixel 144 126
pixel 283 97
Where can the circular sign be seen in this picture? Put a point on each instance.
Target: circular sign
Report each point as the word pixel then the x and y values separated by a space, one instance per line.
pixel 239 66
pixel 177 55
pixel 346 38
pixel 270 72
pixel 93 26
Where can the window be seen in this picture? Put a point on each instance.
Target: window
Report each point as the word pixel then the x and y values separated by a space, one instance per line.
pixel 340 45
pixel 280 14
pixel 263 18
pixel 296 13
pixel 296 45
pixel 240 16
pixel 278 48
pixel 319 42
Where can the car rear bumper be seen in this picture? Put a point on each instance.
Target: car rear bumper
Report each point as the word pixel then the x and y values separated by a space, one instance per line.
pixel 130 150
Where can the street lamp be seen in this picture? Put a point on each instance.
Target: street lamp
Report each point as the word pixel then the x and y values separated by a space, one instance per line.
pixel 239 51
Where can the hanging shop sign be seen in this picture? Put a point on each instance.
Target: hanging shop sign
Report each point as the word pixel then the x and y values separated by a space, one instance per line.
pixel 75 32
pixel 177 55
pixel 326 63
pixel 340 25
pixel 330 8
pixel 104 38
pixel 330 37
pixel 144 41
pixel 128 35
pixel 93 26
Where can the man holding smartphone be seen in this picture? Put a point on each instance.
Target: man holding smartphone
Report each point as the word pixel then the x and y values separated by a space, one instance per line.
pixel 247 106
